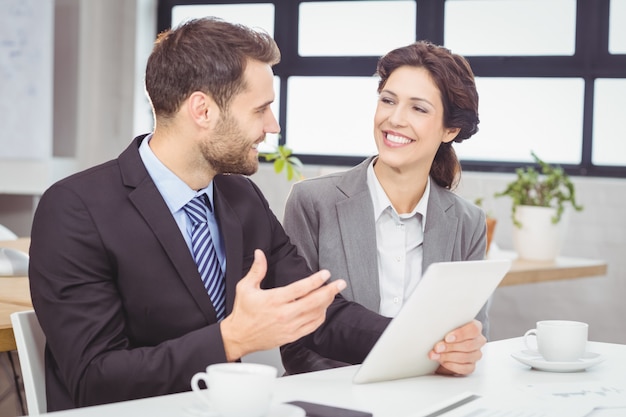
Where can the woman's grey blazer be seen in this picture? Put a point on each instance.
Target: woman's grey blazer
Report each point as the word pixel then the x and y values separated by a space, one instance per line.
pixel 331 221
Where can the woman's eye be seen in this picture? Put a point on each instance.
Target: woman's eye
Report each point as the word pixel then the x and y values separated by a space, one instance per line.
pixel 386 100
pixel 419 109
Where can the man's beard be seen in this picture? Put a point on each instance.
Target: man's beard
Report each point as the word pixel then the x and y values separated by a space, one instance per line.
pixel 228 151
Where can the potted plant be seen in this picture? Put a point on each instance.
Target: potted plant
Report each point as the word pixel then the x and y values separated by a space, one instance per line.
pixel 283 159
pixel 540 199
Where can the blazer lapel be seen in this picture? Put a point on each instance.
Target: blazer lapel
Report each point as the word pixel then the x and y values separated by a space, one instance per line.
pixel 232 235
pixel 440 229
pixel 151 206
pixel 356 223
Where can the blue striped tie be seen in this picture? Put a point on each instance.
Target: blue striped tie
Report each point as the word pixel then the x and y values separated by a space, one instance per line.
pixel 205 255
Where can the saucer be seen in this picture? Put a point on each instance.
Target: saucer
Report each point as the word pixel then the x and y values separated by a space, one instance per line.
pixel 534 359
pixel 276 410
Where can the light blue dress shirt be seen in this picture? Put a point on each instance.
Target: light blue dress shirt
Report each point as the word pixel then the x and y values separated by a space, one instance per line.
pixel 176 194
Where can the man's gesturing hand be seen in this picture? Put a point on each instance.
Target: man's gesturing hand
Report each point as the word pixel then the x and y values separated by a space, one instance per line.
pixel 264 319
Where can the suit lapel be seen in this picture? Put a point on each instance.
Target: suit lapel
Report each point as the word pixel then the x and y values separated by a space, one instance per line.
pixel 358 231
pixel 440 229
pixel 232 235
pixel 151 206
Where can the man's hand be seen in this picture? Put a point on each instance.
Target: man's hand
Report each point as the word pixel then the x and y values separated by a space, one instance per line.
pixel 458 353
pixel 264 319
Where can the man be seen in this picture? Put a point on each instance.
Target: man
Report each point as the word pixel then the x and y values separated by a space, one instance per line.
pixel 133 300
pixel 113 276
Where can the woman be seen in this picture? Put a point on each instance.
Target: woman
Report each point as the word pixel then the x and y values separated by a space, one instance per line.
pixel 380 224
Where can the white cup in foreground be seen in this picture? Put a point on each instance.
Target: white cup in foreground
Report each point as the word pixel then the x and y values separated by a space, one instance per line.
pixel 559 340
pixel 236 389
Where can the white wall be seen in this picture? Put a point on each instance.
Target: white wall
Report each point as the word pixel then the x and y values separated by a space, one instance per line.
pixel 94 91
pixel 106 78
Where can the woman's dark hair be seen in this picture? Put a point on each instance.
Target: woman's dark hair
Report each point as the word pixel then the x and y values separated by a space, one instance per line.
pixel 455 80
pixel 207 55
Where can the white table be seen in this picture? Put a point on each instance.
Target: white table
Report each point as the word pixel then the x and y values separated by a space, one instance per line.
pixel 498 375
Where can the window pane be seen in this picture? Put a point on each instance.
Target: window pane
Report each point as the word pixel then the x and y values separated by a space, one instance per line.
pixel 518 115
pixel 510 27
pixel 258 15
pixel 609 137
pixel 355 28
pixel 331 115
pixel 617 29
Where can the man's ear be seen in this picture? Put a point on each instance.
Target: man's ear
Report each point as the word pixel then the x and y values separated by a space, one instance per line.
pixel 201 108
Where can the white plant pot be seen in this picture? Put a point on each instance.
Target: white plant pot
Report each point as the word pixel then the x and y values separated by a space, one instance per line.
pixel 538 239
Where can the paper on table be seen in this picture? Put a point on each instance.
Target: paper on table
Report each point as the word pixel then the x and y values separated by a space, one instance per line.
pixel 472 405
pixel 594 394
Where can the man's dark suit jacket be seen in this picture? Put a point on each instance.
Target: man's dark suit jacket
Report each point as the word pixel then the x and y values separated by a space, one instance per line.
pixel 120 299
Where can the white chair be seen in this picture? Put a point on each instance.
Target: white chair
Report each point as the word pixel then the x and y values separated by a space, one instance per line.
pixel 31 343
pixel 6 234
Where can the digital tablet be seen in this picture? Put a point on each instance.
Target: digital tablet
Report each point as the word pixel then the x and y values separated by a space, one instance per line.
pixel 448 295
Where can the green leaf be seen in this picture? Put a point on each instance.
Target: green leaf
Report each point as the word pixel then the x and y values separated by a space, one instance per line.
pixel 283 159
pixel 295 162
pixel 269 156
pixel 279 164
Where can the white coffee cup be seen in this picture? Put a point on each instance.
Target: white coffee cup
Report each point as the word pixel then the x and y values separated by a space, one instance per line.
pixel 236 389
pixel 559 340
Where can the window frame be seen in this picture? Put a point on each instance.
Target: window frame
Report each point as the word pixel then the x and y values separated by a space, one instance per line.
pixel 591 60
